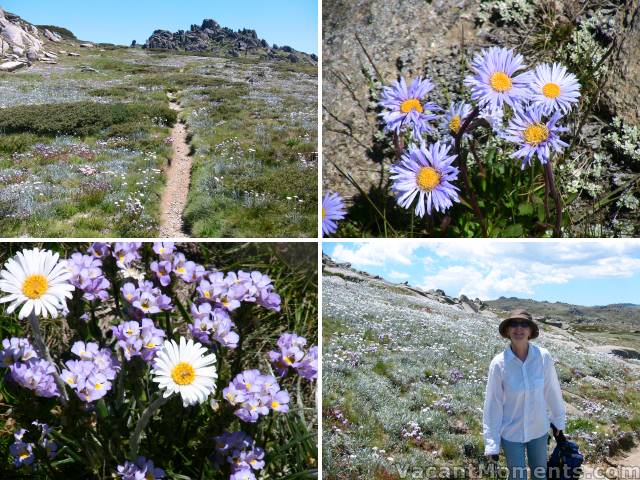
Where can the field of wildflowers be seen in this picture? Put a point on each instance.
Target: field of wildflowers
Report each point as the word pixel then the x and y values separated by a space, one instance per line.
pixel 404 379
pixel 84 145
pixel 130 360
pixel 257 127
pixel 516 97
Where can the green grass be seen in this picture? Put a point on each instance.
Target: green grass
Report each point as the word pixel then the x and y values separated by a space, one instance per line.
pixel 125 104
pixel 260 170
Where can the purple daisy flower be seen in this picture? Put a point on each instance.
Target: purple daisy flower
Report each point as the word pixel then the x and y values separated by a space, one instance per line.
pixel 494 81
pixel 552 88
pixel 406 107
pixel 453 118
pixel 427 171
pixel 332 210
pixel 142 469
pixel 534 135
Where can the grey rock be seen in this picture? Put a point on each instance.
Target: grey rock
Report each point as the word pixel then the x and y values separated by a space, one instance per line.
pixel 54 37
pixel 11 66
pixel 72 54
pixel 210 36
pixel 624 89
pixel 87 45
pixel 32 54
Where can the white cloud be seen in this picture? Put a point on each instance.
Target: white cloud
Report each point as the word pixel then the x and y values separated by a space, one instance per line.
pixel 376 253
pixel 394 275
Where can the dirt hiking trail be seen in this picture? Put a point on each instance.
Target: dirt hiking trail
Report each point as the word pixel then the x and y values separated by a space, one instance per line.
pixel 174 196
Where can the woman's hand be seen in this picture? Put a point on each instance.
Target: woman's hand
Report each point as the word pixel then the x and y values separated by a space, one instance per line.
pixel 558 434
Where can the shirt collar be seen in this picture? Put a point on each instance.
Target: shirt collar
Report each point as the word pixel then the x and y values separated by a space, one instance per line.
pixel 509 355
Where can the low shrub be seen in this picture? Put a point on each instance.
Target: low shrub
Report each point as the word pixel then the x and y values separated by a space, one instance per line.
pixel 81 118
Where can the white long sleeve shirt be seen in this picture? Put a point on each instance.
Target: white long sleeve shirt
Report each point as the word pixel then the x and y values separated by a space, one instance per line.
pixel 521 399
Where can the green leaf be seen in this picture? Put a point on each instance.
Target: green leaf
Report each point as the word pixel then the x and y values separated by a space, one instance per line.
pixel 525 209
pixel 514 230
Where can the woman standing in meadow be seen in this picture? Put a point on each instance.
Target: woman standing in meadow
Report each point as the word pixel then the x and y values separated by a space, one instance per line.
pixel 522 399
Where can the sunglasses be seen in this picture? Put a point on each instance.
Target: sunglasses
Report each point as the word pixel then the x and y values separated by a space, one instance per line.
pixel 519 323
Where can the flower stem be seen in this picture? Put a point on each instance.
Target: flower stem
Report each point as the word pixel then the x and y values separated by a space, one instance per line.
pixel 44 353
pixel 134 441
pixel 463 168
pixel 398 143
pixel 557 229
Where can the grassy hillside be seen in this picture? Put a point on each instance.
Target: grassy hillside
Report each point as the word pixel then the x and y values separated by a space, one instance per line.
pixel 84 144
pixel 404 379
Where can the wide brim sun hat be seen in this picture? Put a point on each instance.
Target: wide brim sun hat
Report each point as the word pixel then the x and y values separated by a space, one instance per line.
pixel 519 314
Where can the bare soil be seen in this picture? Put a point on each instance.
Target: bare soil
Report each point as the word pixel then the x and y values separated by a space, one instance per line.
pixel 178 172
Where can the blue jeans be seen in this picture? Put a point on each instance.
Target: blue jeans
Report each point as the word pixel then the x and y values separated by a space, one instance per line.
pixel 536 454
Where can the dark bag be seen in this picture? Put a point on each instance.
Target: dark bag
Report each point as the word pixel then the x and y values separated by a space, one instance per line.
pixel 565 462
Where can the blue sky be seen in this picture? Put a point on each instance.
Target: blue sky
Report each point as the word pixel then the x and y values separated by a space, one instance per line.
pixel 581 272
pixel 283 22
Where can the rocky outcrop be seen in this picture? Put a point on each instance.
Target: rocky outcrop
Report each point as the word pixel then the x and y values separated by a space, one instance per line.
pixel 21 43
pixel 624 90
pixel 210 36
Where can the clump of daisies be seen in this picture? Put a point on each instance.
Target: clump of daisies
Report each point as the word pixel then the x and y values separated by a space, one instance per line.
pixel 428 138
pixel 25 451
pixel 27 369
pixel 255 395
pixel 92 374
pixel 141 469
pixel 292 355
pixel 147 331
pixel 240 452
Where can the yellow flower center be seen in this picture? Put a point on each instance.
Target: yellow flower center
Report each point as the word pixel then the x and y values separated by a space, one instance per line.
pixel 536 133
pixel 151 345
pixel 35 286
pixel 288 360
pixel 324 213
pixel 454 123
pixel 247 386
pixel 24 455
pixel 411 104
pixel 500 82
pixel 551 90
pixel 428 178
pixel 275 404
pixel 97 386
pixel 183 374
pixel 181 269
pixel 207 294
pixel 149 476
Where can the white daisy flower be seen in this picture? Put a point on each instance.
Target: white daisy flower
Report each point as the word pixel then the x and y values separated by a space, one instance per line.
pixel 185 369
pixel 36 279
pixel 553 88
